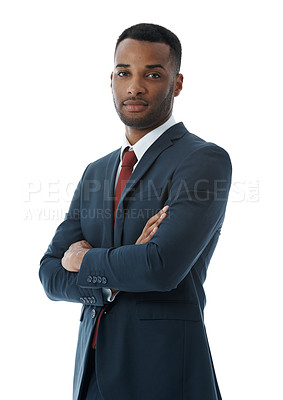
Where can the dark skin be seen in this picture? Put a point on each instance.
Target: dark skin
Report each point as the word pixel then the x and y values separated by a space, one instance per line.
pixel 144 84
pixel 145 77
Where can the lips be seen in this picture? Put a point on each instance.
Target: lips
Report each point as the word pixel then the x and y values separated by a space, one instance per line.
pixel 135 105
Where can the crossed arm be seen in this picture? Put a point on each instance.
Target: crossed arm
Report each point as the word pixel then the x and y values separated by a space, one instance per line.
pixel 197 200
pixel 73 257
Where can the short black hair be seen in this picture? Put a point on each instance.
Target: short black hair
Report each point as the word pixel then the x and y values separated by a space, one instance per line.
pixel 155 33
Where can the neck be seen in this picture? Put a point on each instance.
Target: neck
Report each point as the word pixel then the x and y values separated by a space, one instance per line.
pixel 134 135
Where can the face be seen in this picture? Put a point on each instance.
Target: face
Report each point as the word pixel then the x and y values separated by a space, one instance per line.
pixel 144 83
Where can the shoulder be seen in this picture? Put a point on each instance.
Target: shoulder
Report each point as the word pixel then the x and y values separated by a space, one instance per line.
pixel 100 165
pixel 189 146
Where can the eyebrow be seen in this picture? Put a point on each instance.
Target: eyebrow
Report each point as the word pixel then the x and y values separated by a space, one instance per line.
pixel 153 66
pixel 122 66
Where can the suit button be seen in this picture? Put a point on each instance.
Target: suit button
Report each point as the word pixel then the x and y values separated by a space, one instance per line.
pixel 94 279
pixel 86 301
pixel 99 279
pixel 104 280
pixel 92 300
pixel 82 299
pixel 93 313
pixel 89 279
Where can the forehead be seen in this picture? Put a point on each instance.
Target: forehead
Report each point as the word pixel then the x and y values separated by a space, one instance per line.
pixel 140 53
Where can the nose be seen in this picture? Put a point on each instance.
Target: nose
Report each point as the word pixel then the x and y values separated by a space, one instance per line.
pixel 136 86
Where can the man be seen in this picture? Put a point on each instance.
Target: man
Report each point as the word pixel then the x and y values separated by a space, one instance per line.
pixel 136 243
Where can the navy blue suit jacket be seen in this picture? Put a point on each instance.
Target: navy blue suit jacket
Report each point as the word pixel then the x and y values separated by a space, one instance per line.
pixel 151 341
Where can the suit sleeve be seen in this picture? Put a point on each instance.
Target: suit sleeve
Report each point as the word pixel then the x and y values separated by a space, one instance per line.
pixel 58 283
pixel 197 200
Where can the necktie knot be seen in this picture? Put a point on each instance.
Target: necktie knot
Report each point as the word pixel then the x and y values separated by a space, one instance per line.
pixel 129 159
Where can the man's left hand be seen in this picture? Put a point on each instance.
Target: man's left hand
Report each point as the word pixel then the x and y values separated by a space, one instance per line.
pixel 73 257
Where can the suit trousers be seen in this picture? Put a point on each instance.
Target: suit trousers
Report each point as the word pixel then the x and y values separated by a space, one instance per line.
pixel 91 390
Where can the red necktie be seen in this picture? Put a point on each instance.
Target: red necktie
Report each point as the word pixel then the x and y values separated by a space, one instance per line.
pixel 129 160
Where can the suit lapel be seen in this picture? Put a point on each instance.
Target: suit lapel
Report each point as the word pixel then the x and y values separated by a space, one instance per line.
pixel 108 198
pixel 163 142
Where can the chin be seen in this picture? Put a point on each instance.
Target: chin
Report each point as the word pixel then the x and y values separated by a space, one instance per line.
pixel 136 122
pixel 140 122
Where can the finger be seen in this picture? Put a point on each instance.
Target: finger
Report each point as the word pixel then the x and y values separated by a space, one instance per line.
pixel 64 260
pixel 67 252
pixel 156 217
pixel 158 222
pixel 153 219
pixel 86 245
pixel 159 214
pixel 153 231
pixel 148 229
pixel 151 224
pixel 150 235
pixel 75 245
pixel 80 244
pixel 162 216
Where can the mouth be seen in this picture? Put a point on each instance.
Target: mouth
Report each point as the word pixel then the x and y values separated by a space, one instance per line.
pixel 135 105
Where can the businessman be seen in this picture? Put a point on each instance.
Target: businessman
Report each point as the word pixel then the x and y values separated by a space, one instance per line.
pixel 135 246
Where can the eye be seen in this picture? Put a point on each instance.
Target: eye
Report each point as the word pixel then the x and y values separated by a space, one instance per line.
pixel 154 75
pixel 122 74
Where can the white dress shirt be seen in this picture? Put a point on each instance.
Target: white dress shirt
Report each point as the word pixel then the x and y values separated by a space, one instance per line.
pixel 139 148
pixel 144 143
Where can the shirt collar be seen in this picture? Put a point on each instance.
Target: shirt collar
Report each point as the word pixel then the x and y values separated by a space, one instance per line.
pixel 147 140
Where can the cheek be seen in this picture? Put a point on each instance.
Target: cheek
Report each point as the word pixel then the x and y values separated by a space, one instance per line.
pixel 116 89
pixel 114 93
pixel 163 93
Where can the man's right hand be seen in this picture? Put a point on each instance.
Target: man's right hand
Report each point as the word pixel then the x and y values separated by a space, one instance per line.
pixel 152 225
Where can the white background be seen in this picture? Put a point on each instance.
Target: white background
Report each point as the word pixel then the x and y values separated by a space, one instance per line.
pixel 57 116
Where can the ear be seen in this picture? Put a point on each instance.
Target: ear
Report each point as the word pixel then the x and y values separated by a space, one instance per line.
pixel 111 78
pixel 178 84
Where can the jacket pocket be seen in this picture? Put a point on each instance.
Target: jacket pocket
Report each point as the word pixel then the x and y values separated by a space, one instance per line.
pixel 168 310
